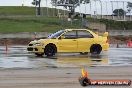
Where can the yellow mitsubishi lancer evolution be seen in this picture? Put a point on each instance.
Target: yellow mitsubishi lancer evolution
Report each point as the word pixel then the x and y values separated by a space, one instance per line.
pixel 70 40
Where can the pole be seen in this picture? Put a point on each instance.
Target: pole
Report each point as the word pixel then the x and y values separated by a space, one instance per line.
pixel 64 14
pixel 85 8
pixel 52 11
pixel 118 9
pixel 101 8
pixel 22 2
pixel 6 46
pixel 112 10
pixel 90 9
pixel 36 8
pixel 39 8
pixel 130 16
pixel 47 9
pixel 106 11
pixel 96 9
pixel 124 18
pixel 79 7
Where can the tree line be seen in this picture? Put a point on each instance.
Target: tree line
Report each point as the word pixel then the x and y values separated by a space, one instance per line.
pixel 72 4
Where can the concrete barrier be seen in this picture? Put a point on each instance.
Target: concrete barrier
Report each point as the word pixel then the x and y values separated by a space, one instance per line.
pixel 120 32
pixel 24 35
pixel 45 34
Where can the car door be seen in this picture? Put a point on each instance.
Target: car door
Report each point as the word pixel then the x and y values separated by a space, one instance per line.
pixel 68 43
pixel 85 40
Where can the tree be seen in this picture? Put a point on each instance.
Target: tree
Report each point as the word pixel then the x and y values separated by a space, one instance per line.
pixel 119 12
pixel 36 3
pixel 72 4
pixel 129 7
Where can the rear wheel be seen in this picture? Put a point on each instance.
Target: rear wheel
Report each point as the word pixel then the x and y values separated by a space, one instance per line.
pixel 95 49
pixel 49 50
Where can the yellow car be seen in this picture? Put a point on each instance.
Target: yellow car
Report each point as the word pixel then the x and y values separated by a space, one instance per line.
pixel 70 40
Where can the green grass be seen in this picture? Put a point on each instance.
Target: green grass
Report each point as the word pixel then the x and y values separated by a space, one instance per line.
pixel 16 10
pixel 112 24
pixel 26 24
pixel 23 19
pixel 23 10
pixel 34 24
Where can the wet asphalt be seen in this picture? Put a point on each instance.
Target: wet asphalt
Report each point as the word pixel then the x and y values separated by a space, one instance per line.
pixel 18 57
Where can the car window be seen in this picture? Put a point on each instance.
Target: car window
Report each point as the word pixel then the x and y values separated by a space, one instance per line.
pixel 56 34
pixel 84 34
pixel 70 35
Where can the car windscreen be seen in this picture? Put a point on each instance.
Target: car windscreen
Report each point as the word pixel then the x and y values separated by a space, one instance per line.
pixel 56 34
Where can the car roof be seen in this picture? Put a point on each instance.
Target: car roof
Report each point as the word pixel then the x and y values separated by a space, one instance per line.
pixel 75 29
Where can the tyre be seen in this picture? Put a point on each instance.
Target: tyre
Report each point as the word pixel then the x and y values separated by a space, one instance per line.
pixel 39 54
pixel 95 49
pixel 49 50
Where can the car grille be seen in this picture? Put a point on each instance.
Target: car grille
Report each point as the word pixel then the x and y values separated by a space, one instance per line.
pixel 30 49
pixel 30 44
pixel 36 49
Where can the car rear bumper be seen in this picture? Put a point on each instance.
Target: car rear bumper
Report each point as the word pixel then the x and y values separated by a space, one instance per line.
pixel 105 47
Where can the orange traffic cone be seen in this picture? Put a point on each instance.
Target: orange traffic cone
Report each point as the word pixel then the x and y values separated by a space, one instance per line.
pixel 84 74
pixel 129 43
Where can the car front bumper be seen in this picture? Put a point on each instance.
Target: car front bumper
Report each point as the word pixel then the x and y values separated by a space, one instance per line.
pixel 35 49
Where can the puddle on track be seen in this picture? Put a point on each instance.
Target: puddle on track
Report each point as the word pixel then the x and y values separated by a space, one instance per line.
pixel 18 57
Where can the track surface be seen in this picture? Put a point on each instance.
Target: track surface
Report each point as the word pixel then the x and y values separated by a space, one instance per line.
pixel 17 57
pixel 18 69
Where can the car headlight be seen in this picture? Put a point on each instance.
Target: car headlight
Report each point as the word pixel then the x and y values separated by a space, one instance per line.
pixel 39 44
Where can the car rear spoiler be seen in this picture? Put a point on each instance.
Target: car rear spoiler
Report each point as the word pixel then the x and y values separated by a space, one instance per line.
pixel 105 34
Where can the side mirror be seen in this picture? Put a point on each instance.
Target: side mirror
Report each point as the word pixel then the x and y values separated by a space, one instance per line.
pixel 62 37
pixel 105 34
pixel 97 33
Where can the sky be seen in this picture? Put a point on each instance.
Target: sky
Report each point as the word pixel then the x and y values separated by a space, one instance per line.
pixel 95 6
pixel 15 2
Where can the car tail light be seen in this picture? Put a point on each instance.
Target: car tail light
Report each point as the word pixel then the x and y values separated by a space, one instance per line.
pixel 107 41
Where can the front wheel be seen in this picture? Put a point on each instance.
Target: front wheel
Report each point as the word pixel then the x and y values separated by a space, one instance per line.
pixel 49 51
